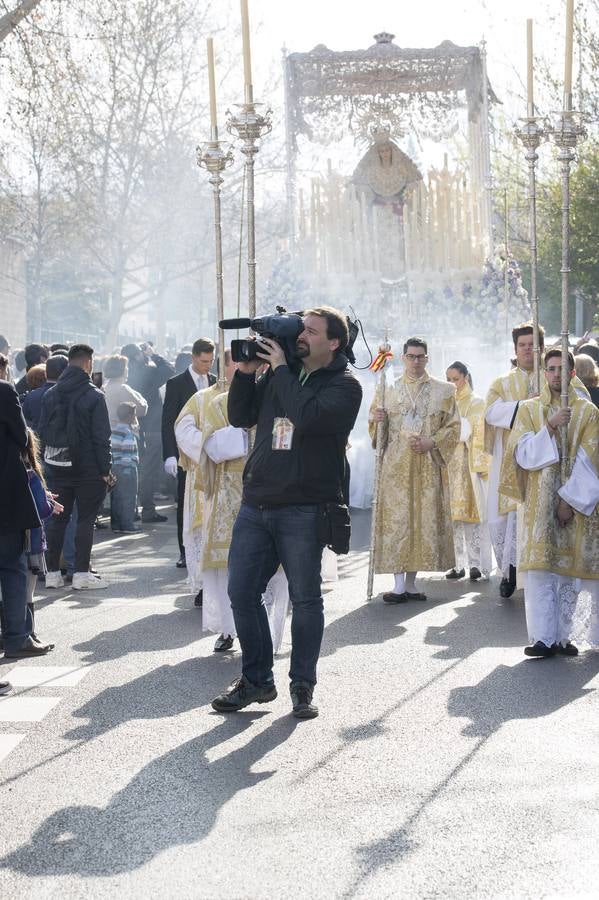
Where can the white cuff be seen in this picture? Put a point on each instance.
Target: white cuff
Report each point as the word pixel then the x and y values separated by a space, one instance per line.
pixel 581 490
pixel 226 443
pixel 536 451
pixel 501 413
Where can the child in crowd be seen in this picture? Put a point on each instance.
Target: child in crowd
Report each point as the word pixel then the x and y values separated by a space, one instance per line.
pixel 125 461
pixel 36 537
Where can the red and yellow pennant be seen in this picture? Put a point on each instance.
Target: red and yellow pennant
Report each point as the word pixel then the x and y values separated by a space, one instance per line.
pixel 380 360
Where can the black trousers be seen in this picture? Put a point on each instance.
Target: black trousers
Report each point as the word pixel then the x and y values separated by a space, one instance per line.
pixel 150 473
pixel 89 494
pixel 180 498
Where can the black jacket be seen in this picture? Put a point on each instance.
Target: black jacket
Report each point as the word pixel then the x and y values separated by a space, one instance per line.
pixel 74 414
pixel 17 506
pixel 148 379
pixel 323 412
pixel 178 391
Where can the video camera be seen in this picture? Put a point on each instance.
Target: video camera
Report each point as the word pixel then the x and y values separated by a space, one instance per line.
pixel 284 328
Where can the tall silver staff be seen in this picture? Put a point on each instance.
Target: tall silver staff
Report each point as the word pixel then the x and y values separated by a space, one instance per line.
pixel 531 134
pixel 566 135
pixel 379 365
pixel 249 126
pixel 215 156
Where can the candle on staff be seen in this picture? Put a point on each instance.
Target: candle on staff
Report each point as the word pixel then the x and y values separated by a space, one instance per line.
pixel 529 70
pixel 212 87
pixel 247 55
pixel 569 52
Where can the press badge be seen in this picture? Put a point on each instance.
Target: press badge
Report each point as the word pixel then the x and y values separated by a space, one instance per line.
pixel 282 434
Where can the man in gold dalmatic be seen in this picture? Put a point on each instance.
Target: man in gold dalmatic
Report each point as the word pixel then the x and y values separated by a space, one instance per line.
pixel 422 427
pixel 559 548
pixel 503 398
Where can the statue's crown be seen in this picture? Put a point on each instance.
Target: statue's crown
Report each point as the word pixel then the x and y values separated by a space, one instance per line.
pixel 380 133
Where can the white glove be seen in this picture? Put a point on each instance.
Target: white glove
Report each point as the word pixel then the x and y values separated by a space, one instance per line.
pixel 170 466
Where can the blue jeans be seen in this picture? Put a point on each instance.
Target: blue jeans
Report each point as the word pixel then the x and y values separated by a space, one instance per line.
pixel 68 547
pixel 123 498
pixel 263 538
pixel 17 623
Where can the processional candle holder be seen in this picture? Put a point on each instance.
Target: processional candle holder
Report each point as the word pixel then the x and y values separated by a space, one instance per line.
pixel 215 156
pixel 250 126
pixel 379 365
pixel 566 133
pixel 531 133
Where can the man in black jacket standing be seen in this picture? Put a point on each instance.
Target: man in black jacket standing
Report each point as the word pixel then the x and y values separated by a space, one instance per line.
pixel 18 513
pixel 298 462
pixel 75 431
pixel 148 371
pixel 196 377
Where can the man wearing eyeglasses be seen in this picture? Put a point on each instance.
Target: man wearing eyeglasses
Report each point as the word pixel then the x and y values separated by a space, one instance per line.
pixel 559 549
pixel 422 428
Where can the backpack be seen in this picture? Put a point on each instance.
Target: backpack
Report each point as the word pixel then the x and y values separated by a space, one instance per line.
pixel 61 438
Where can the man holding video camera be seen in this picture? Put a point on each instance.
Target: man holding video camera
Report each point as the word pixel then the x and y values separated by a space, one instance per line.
pixel 304 410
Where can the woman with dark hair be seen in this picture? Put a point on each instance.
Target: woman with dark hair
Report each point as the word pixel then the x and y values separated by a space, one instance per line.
pixel 468 470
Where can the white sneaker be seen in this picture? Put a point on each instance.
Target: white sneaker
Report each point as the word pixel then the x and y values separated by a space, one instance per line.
pixel 85 581
pixel 54 580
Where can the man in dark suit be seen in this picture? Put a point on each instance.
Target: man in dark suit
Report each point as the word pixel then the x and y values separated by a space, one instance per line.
pixel 179 389
pixel 18 513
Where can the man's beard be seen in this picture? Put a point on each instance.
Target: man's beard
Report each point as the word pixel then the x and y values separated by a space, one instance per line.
pixel 302 350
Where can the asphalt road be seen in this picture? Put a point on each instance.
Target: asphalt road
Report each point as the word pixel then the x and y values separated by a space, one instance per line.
pixel 443 764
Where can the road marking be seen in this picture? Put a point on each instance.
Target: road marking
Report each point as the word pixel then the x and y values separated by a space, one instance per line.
pixel 8 742
pixel 26 709
pixel 47 676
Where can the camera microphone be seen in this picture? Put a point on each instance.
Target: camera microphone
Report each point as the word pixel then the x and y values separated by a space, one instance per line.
pixel 235 323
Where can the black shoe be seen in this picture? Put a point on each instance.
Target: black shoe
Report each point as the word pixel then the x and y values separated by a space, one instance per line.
pixel 539 649
pixel 29 648
pixel 301 698
pixel 100 525
pixel 241 694
pixel 35 638
pixel 475 573
pixel 181 564
pixel 391 597
pixel 155 517
pixel 5 687
pixel 568 650
pixel 199 598
pixel 506 588
pixel 454 573
pixel 416 596
pixel 223 642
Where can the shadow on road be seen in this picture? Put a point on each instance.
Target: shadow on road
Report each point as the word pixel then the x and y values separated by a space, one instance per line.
pixel 532 689
pixel 174 800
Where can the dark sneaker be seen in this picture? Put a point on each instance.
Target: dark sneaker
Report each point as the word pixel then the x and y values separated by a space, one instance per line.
pixel 475 573
pixel 416 596
pixel 539 649
pixel 223 642
pixel 154 517
pixel 301 698
pixel 5 687
pixel 506 588
pixel 241 693
pixel 391 597
pixel 455 573
pixel 568 649
pixel 199 598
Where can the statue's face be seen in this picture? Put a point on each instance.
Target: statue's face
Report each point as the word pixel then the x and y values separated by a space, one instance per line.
pixel 386 154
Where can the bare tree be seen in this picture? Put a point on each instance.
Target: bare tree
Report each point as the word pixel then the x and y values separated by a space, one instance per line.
pixel 10 21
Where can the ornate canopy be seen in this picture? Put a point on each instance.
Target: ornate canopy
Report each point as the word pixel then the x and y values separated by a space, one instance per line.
pixel 328 91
